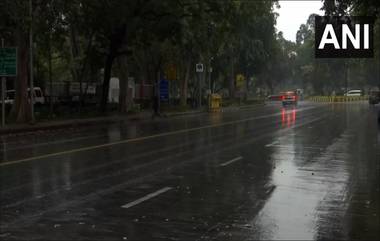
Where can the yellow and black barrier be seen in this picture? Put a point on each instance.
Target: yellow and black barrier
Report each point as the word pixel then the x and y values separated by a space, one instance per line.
pixel 337 98
pixel 215 103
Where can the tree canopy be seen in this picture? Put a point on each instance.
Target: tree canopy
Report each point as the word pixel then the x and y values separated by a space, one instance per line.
pixel 90 41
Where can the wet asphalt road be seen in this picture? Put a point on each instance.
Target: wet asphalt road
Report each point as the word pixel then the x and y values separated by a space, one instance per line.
pixel 310 172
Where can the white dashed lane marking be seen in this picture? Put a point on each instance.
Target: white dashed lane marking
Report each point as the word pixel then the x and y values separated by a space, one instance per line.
pixel 147 197
pixel 231 161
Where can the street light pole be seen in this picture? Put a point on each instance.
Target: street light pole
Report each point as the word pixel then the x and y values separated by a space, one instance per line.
pixel 31 61
pixel 346 75
pixel 3 92
pixel 209 78
pixel 209 74
pixel 200 90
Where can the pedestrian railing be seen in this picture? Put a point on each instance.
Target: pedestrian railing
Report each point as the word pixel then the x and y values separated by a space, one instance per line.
pixel 337 98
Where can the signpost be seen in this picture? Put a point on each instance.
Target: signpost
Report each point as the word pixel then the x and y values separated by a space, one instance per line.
pixel 8 57
pixel 164 90
pixel 199 70
pixel 171 72
pixel 8 68
pixel 209 79
pixel 240 81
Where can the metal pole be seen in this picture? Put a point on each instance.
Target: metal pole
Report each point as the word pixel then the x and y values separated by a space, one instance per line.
pixel 31 60
pixel 379 73
pixel 209 78
pixel 209 84
pixel 346 75
pixel 158 94
pixel 200 90
pixel 3 86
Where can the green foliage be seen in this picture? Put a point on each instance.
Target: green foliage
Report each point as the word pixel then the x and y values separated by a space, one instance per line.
pixel 325 76
pixel 83 37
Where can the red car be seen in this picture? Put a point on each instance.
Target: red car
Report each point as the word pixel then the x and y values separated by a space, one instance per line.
pixel 289 98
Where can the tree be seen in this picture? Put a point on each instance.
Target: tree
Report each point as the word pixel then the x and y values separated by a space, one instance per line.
pixel 15 27
pixel 360 8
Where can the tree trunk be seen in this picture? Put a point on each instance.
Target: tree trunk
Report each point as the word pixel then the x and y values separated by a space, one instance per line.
pixel 184 83
pixel 84 71
pixel 21 110
pixel 74 51
pixel 116 41
pixel 232 79
pixel 122 64
pixel 106 82
pixel 50 77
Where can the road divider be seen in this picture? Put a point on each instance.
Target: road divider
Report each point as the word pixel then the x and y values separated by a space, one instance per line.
pixel 337 98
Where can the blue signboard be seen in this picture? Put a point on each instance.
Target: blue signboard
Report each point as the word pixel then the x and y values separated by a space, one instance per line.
pixel 164 90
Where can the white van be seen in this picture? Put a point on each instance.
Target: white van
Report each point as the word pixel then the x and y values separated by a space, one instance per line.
pixel 114 90
pixel 354 93
pixel 9 97
pixel 38 96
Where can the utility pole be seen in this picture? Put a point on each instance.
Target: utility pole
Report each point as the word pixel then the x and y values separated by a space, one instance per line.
pixel 158 94
pixel 346 74
pixel 3 92
pixel 199 69
pixel 209 78
pixel 200 90
pixel 378 83
pixel 209 74
pixel 31 61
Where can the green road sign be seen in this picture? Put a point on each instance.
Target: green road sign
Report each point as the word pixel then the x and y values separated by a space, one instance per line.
pixel 8 62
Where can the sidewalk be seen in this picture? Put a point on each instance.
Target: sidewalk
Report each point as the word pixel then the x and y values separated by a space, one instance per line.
pixel 58 124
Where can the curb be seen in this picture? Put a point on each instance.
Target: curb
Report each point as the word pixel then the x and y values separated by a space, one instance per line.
pixel 185 113
pixel 39 127
pixel 24 128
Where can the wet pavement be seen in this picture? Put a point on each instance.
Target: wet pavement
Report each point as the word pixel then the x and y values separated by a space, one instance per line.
pixel 310 172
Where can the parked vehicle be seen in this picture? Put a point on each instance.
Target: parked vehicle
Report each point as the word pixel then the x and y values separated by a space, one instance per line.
pixel 354 93
pixel 38 96
pixel 10 97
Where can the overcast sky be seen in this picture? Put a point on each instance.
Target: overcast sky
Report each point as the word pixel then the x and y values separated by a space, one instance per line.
pixel 293 14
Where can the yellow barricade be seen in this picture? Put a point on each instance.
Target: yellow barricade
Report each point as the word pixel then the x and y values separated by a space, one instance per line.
pixel 215 102
pixel 337 98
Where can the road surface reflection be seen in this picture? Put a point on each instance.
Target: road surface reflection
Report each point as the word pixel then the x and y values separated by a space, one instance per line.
pixel 288 116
